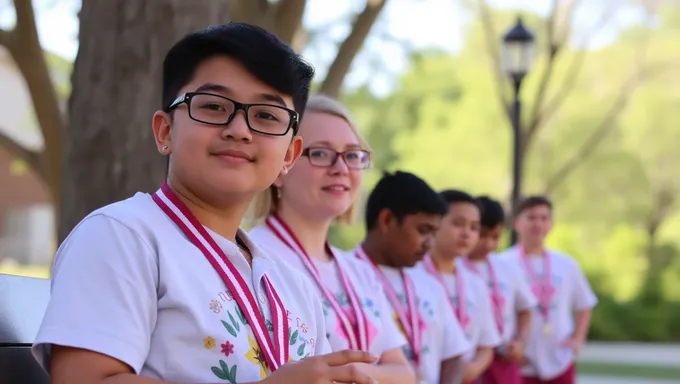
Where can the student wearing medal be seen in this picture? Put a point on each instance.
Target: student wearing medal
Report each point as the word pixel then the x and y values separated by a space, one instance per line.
pixel 565 299
pixel 298 211
pixel 402 216
pixel 166 287
pixel 511 296
pixel 468 294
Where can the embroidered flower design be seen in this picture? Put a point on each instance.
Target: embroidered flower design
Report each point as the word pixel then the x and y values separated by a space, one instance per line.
pixel 227 348
pixel 215 306
pixel 209 342
pixel 255 356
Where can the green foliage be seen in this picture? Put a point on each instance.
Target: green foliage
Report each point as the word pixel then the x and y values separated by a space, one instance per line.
pixel 445 123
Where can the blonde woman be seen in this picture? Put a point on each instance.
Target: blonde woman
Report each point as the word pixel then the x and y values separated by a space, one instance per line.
pixel 298 211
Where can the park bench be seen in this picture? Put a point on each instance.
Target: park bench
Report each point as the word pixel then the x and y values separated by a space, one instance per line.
pixel 23 301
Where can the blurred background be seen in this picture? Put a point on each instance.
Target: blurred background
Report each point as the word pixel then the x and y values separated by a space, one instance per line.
pixel 431 84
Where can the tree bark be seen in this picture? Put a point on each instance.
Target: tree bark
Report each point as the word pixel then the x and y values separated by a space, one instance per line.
pixel 349 48
pixel 109 152
pixel 23 44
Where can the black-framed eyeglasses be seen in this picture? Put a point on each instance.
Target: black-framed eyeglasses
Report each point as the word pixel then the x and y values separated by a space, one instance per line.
pixel 327 157
pixel 266 119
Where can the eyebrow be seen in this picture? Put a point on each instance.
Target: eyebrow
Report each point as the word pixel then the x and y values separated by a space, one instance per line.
pixel 226 90
pixel 326 143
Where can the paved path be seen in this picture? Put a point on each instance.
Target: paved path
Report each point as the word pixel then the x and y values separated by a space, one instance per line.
pixel 592 379
pixel 632 353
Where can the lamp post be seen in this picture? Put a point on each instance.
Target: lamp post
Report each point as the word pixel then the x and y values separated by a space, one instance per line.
pixel 516 58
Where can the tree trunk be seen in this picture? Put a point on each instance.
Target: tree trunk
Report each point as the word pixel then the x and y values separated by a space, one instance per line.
pixel 109 153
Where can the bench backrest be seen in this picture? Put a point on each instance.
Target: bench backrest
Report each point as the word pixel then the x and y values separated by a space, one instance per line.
pixel 23 301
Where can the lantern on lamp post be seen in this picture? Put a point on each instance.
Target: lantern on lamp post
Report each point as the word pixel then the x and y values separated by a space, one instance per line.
pixel 516 58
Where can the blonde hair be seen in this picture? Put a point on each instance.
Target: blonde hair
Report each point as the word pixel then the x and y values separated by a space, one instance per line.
pixel 266 202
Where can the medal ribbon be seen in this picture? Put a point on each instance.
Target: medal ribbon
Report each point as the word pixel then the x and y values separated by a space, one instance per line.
pixel 275 351
pixel 496 295
pixel 357 331
pixel 459 308
pixel 408 317
pixel 543 289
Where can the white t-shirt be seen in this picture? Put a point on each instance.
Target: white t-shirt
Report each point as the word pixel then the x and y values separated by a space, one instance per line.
pixel 548 359
pixel 514 289
pixel 442 336
pixel 481 330
pixel 127 283
pixel 383 333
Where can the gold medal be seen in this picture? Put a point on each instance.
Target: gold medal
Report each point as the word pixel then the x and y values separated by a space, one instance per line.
pixel 547 329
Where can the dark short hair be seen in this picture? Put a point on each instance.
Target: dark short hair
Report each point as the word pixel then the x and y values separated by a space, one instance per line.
pixel 533 201
pixel 452 196
pixel 492 212
pixel 263 54
pixel 403 194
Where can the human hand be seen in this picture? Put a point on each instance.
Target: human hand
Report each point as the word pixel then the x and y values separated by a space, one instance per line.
pixel 514 351
pixel 574 344
pixel 337 367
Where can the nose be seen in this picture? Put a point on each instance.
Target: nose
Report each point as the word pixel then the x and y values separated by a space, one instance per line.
pixel 339 167
pixel 237 129
pixel 427 244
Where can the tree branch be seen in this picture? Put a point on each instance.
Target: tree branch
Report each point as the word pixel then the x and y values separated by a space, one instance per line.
pixel 30 59
pixel 350 47
pixel 16 150
pixel 553 47
pixel 492 48
pixel 249 11
pixel 608 123
pixel 544 109
pixel 6 38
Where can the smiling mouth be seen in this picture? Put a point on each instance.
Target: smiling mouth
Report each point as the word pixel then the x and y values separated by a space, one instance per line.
pixel 233 159
pixel 336 188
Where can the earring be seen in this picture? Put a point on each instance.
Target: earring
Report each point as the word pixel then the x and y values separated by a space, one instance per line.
pixel 284 168
pixel 165 148
pixel 278 193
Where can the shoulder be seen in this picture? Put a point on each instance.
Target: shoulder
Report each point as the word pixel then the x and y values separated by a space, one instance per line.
pixel 262 235
pixel 425 283
pixel 138 214
pixel 362 268
pixel 475 283
pixel 508 253
pixel 564 259
pixel 130 224
pixel 272 246
pixel 502 264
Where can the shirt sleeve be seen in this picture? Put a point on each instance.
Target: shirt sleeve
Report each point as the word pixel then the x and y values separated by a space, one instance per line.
pixel 455 342
pixel 103 294
pixel 583 296
pixel 489 336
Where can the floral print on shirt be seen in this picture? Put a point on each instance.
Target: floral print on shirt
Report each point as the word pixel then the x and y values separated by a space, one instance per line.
pixel 235 324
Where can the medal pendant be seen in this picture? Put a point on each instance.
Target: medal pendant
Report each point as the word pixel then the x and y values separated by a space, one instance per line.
pixel 547 329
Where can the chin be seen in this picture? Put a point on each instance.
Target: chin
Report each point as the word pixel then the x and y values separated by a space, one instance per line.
pixel 231 184
pixel 335 210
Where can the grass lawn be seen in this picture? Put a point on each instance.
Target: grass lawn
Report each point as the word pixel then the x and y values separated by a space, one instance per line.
pixel 41 271
pixel 630 370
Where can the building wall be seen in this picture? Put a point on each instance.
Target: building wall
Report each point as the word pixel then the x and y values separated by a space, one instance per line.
pixel 26 212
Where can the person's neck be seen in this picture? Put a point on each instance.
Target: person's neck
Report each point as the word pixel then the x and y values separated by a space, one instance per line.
pixel 222 219
pixel 478 257
pixel 375 250
pixel 311 234
pixel 445 263
pixel 533 248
